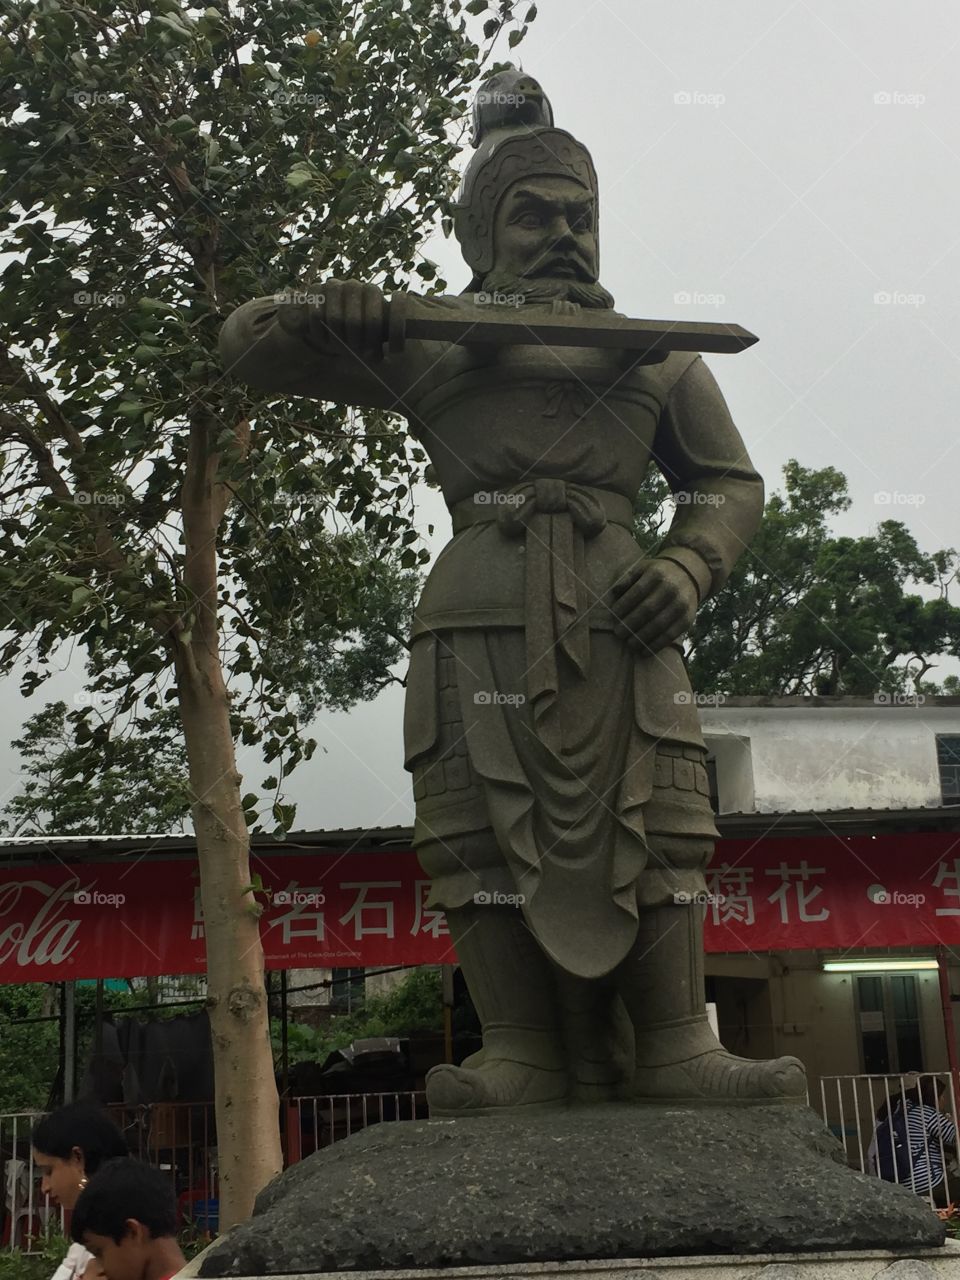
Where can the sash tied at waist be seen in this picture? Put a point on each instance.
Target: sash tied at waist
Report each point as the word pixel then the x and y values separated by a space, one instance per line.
pixel 555 518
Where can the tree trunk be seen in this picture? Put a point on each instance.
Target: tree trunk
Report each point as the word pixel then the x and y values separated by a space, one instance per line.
pixel 247 1106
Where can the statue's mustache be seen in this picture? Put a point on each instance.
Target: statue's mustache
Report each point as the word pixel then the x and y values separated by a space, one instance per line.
pixel 588 292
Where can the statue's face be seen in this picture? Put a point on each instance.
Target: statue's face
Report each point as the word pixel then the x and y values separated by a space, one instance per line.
pixel 546 227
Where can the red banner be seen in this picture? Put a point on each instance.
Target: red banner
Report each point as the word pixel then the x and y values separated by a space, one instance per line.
pixel 143 918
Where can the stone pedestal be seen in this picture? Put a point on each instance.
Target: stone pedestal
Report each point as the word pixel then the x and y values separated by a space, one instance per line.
pixel 874 1264
pixel 694 1185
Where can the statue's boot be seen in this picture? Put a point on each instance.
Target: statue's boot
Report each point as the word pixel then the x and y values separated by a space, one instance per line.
pixel 598 1036
pixel 678 1057
pixel 521 1066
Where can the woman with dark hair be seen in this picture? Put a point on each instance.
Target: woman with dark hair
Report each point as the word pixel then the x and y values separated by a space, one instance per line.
pixel 69 1146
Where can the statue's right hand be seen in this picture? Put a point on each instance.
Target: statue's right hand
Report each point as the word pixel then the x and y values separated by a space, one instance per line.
pixel 339 315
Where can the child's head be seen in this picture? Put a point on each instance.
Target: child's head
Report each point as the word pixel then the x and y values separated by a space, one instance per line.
pixel 126 1217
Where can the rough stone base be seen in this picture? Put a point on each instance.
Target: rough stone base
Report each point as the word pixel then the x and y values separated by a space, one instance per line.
pixel 608 1182
pixel 922 1264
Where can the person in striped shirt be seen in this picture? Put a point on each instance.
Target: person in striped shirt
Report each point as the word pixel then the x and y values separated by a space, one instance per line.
pixel 932 1135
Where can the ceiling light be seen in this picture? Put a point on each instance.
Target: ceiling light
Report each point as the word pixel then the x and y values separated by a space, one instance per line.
pixel 906 964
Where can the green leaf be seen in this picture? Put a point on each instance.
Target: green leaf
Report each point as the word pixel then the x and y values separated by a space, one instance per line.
pixel 145 355
pixel 284 815
pixel 174 26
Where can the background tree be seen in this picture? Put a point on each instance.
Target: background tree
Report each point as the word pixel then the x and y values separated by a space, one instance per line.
pixel 414 1004
pixel 136 780
pixel 136 784
pixel 161 164
pixel 29 1041
pixel 806 611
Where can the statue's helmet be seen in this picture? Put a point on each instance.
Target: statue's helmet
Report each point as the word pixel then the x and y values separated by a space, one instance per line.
pixel 515 138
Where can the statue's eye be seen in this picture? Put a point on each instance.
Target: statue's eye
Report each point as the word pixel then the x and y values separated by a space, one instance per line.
pixel 530 221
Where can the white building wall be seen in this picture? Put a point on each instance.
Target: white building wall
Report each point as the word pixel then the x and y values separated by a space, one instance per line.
pixel 827 757
pixel 813 1015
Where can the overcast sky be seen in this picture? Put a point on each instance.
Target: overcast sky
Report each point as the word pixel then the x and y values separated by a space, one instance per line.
pixel 792 167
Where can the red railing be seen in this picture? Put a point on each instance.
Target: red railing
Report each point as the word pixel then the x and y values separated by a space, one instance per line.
pixel 317 1122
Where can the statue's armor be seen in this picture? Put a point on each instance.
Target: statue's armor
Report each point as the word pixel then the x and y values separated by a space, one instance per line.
pixel 550 760
pixel 547 756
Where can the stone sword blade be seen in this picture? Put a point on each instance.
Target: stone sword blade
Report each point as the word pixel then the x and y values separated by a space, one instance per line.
pixel 646 336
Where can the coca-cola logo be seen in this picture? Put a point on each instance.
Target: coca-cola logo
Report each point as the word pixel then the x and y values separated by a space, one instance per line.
pixel 50 936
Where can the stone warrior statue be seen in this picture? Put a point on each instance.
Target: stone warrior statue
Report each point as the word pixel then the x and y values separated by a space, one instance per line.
pixel 562 805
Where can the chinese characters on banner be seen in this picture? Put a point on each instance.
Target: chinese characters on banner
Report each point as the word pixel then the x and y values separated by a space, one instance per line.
pixel 138 917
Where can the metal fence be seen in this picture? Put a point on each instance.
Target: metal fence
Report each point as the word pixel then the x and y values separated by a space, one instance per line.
pixel 180 1138
pixel 27 1216
pixel 853 1106
pixel 317 1122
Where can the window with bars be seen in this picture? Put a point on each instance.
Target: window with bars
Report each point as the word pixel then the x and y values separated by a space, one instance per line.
pixel 948 759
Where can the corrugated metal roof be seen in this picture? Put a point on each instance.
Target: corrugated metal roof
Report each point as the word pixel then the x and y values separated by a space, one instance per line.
pixel 796 822
pixel 809 701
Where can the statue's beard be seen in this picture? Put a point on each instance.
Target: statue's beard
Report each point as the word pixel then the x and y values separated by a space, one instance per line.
pixel 545 289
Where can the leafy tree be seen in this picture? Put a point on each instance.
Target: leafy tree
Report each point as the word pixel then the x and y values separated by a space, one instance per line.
pixel 136 781
pixel 136 784
pixel 28 1049
pixel 351 658
pixel 160 166
pixel 808 612
pixel 415 1004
